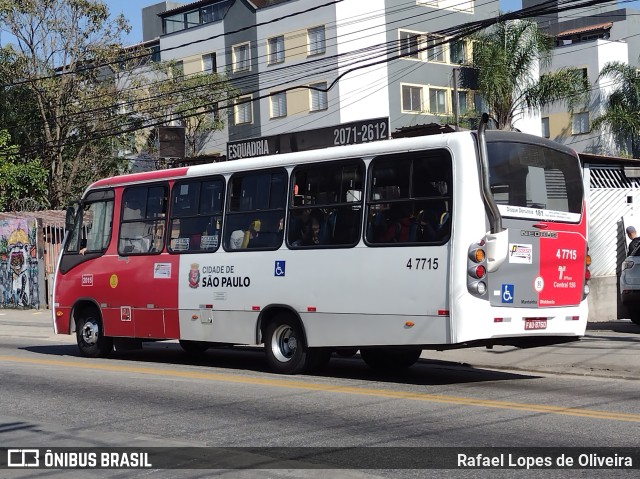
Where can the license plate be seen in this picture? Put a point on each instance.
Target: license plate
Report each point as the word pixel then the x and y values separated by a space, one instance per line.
pixel 535 324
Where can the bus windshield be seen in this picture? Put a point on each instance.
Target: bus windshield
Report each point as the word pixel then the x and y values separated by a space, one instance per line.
pixel 531 181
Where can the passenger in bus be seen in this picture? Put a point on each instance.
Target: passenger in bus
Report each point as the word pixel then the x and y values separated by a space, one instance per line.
pixel 251 237
pixel 298 225
pixel 312 233
pixel 402 225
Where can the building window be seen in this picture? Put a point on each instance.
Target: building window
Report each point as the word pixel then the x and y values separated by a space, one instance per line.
pixel 580 123
pixel 410 44
pixel 437 100
pixel 545 127
pixel 278 105
pixel 435 49
pixel 457 52
pixel 411 98
pixel 463 101
pixel 276 49
pixel 209 63
pixel 242 110
pixel 241 57
pixel 318 96
pixel 316 40
pixel 178 68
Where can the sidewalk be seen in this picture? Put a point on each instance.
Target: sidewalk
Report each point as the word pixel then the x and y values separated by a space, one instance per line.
pixel 609 349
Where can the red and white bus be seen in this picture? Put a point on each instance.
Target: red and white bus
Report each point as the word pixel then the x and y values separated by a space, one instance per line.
pixel 448 241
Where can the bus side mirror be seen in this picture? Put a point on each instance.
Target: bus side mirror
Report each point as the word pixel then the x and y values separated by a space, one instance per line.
pixel 70 218
pixel 497 249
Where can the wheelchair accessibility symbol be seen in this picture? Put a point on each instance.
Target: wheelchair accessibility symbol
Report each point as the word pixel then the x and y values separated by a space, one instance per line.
pixel 507 293
pixel 279 268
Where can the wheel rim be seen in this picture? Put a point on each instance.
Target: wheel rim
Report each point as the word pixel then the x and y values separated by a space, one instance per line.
pixel 284 343
pixel 89 332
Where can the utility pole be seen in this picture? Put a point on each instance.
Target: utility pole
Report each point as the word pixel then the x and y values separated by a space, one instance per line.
pixel 455 97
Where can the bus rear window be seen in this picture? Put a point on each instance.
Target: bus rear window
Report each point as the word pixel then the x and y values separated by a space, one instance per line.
pixel 535 182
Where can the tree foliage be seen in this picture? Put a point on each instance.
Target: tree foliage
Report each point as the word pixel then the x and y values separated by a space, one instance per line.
pixel 622 107
pixel 19 180
pixel 508 58
pixel 191 100
pixel 56 48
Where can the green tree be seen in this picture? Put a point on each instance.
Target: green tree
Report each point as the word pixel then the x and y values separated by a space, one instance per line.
pixel 508 58
pixel 19 180
pixel 55 50
pixel 622 107
pixel 190 100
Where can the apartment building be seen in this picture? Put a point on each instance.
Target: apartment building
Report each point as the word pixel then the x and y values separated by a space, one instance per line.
pixel 587 39
pixel 308 64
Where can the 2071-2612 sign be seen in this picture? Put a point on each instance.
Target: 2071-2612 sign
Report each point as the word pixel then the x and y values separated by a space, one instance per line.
pixel 353 133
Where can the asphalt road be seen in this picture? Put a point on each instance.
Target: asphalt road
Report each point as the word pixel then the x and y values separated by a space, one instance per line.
pixel 574 396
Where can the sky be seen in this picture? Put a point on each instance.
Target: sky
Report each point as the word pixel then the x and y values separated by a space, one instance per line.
pixel 132 10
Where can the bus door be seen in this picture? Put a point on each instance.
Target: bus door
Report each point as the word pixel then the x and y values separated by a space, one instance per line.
pixel 144 280
pixel 539 194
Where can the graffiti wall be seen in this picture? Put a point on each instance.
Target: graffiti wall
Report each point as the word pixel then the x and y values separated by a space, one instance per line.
pixel 18 264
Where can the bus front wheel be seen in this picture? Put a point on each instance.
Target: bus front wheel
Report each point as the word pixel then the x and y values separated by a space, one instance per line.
pixel 388 358
pixel 285 345
pixel 90 336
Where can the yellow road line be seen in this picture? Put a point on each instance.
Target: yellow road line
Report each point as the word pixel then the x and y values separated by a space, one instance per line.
pixel 285 383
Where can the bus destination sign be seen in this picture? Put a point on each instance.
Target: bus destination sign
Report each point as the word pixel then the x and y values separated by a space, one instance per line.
pixel 353 133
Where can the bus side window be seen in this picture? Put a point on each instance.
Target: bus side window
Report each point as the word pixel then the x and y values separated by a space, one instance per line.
pixel 409 196
pixel 255 211
pixel 196 215
pixel 143 220
pixel 326 209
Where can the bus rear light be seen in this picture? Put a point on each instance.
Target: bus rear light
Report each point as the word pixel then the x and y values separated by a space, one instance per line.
pixel 311 309
pixel 587 274
pixel 587 260
pixel 477 255
pixel 481 287
pixel 478 271
pixel 255 308
pixel 586 289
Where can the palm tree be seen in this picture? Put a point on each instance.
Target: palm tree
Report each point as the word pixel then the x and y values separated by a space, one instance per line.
pixel 507 60
pixel 622 107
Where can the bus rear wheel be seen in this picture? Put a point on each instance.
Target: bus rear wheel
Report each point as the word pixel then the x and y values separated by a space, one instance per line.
pixel 90 337
pixel 285 345
pixel 389 358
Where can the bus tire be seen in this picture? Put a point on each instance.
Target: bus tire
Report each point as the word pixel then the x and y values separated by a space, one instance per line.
pixel 285 345
pixel 90 337
pixel 388 358
pixel 634 316
pixel 194 348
